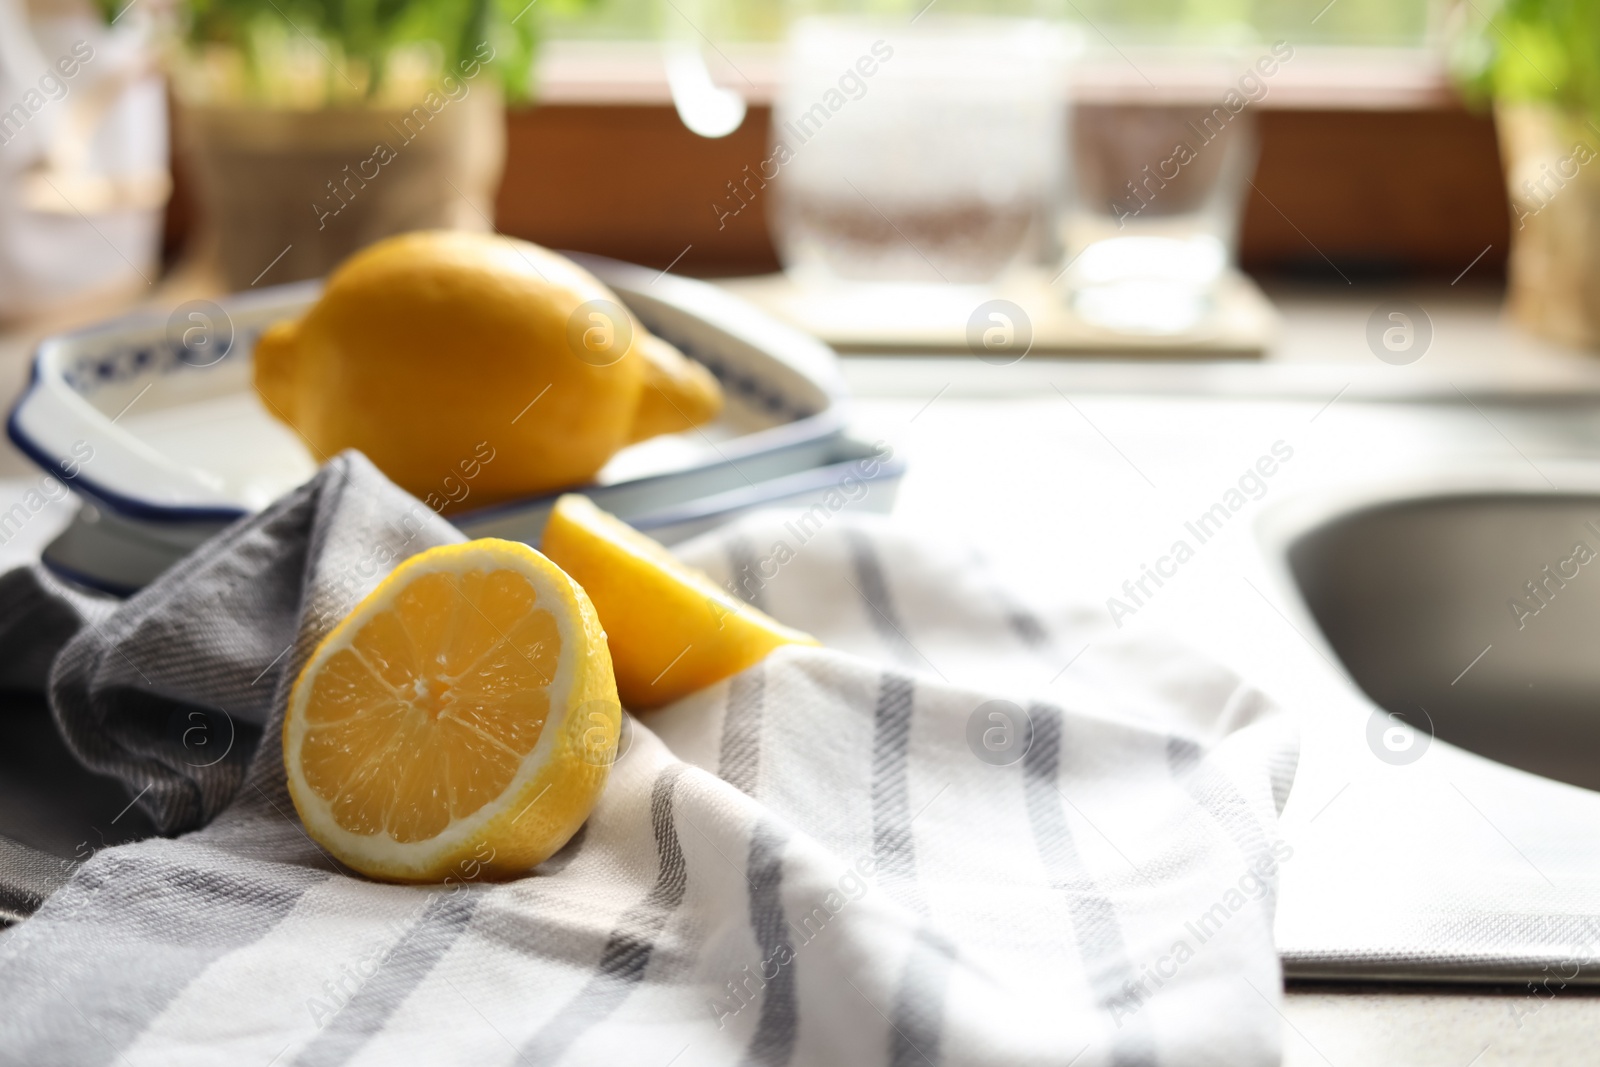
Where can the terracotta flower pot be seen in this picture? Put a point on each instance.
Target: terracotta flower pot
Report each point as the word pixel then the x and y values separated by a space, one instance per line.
pixel 1552 165
pixel 288 194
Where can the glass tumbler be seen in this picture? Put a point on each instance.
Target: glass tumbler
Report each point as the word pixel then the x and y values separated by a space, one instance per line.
pixel 1152 223
pixel 921 153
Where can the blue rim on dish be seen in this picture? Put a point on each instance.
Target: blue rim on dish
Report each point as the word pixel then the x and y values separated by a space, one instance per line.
pixel 132 507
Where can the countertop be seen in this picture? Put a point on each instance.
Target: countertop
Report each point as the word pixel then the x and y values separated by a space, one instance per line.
pixel 1074 472
pixel 1044 461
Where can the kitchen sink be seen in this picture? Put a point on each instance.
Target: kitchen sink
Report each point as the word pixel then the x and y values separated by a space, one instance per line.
pixel 1475 617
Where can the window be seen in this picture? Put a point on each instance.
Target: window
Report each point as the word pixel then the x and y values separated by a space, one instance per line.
pixel 1310 22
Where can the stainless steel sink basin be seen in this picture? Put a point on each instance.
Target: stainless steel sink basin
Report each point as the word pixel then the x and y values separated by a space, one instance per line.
pixel 1474 615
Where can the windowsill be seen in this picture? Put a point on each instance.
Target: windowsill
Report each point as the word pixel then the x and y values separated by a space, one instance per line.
pixel 632 73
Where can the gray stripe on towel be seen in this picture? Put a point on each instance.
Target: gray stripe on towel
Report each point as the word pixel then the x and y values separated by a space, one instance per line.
pixel 918 1010
pixel 873 585
pixel 746 581
pixel 891 790
pixel 917 1014
pixel 740 761
pixel 1094 919
pixel 774 1040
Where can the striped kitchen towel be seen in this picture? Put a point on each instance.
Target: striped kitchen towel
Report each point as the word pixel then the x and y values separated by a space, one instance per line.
pixel 967 830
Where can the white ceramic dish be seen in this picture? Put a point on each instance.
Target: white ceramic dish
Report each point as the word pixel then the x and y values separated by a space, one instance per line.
pixel 167 448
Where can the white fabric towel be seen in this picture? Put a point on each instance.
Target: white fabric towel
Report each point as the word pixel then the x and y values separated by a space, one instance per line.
pixel 962 832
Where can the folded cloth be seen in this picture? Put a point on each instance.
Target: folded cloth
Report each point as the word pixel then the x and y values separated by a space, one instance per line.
pixel 964 831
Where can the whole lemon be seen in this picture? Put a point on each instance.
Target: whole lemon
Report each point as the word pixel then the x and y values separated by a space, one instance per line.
pixel 475 367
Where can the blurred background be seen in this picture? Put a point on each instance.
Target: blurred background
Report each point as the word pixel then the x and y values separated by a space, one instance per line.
pixel 1138 176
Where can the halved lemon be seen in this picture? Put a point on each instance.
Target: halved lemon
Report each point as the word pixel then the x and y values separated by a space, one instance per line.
pixel 672 630
pixel 459 723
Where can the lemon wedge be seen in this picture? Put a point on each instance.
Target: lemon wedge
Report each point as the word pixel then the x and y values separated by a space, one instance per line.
pixel 671 629
pixel 459 723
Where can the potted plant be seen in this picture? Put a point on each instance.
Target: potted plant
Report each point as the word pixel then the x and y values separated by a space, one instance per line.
pixel 311 128
pixel 1539 62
